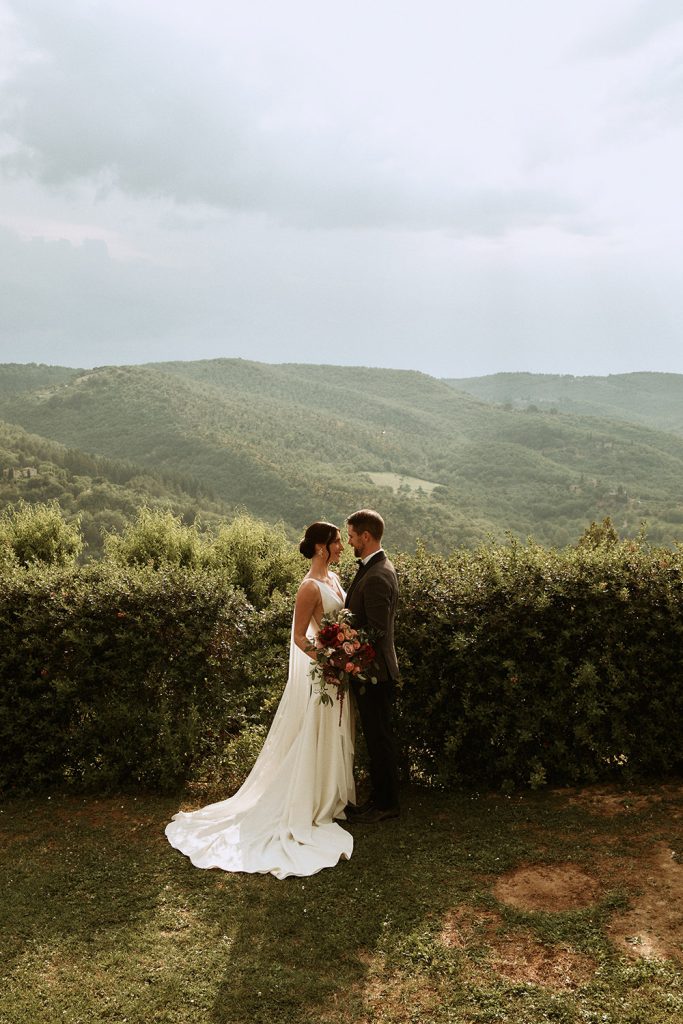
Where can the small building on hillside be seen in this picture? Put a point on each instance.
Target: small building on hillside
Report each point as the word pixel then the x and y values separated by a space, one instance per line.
pixel 19 474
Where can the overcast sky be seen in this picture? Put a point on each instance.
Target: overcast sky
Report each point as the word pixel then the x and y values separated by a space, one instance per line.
pixel 455 187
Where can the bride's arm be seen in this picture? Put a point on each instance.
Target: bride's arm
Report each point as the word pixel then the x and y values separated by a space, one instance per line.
pixel 308 603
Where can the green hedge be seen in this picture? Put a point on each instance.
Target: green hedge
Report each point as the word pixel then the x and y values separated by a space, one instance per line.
pixel 523 665
pixel 109 674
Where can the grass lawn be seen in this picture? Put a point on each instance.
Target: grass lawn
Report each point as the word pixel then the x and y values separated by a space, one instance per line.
pixel 557 906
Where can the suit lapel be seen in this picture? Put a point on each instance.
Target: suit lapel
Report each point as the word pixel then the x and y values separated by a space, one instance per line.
pixel 362 569
pixel 359 575
pixel 379 556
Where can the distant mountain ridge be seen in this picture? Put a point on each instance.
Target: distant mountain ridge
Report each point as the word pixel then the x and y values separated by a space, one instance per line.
pixel 653 399
pixel 297 441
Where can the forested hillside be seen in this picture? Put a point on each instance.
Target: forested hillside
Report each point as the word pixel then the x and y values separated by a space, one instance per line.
pixel 17 378
pixel 103 493
pixel 653 399
pixel 295 442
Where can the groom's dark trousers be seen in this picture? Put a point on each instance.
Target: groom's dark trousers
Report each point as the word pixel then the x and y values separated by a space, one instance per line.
pixel 373 597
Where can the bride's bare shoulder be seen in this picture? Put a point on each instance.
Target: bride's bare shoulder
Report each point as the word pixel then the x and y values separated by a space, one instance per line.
pixel 307 583
pixel 307 598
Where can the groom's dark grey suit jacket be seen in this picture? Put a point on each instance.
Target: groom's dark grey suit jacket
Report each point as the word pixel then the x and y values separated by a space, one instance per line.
pixel 373 597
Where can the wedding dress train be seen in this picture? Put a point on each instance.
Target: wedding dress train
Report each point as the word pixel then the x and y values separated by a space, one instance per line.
pixel 280 820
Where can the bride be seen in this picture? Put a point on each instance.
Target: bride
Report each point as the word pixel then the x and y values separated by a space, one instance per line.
pixel 281 819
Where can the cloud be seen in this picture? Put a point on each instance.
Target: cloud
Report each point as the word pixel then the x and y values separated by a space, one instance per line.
pixel 424 302
pixel 125 100
pixel 633 31
pixel 642 59
pixel 658 101
pixel 69 303
pixel 442 186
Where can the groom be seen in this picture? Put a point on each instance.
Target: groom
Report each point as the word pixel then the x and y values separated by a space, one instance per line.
pixel 372 598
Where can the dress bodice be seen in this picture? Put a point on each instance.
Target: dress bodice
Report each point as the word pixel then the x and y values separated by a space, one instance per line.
pixel 332 601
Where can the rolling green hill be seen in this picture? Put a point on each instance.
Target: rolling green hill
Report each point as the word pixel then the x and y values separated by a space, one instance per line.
pixel 19 378
pixel 653 399
pixel 103 493
pixel 295 442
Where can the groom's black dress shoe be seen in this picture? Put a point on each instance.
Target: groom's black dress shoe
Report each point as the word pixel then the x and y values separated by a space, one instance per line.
pixel 374 815
pixel 353 810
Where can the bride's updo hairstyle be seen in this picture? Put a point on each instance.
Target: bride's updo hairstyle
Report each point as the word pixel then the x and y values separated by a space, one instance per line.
pixel 317 533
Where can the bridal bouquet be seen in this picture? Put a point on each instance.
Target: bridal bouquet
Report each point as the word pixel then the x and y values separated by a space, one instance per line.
pixel 341 653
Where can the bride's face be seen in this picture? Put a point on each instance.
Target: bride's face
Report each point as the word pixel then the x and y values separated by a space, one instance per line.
pixel 336 548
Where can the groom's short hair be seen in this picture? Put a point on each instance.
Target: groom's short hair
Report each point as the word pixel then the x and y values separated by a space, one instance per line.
pixel 367 519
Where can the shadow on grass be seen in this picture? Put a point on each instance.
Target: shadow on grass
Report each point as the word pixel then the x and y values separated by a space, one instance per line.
pixel 104 914
pixel 76 869
pixel 302 947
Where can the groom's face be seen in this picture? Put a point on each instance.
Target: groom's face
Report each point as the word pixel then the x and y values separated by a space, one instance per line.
pixel 358 541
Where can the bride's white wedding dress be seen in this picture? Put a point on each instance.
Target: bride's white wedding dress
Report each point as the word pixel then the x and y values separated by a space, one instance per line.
pixel 280 820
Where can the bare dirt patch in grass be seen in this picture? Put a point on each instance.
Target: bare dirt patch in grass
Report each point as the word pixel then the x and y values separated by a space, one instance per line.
pixel 466 925
pixel 608 801
pixel 653 926
pixel 547 887
pixel 523 959
pixel 517 955
pixel 384 995
pixel 399 999
pixel 103 812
